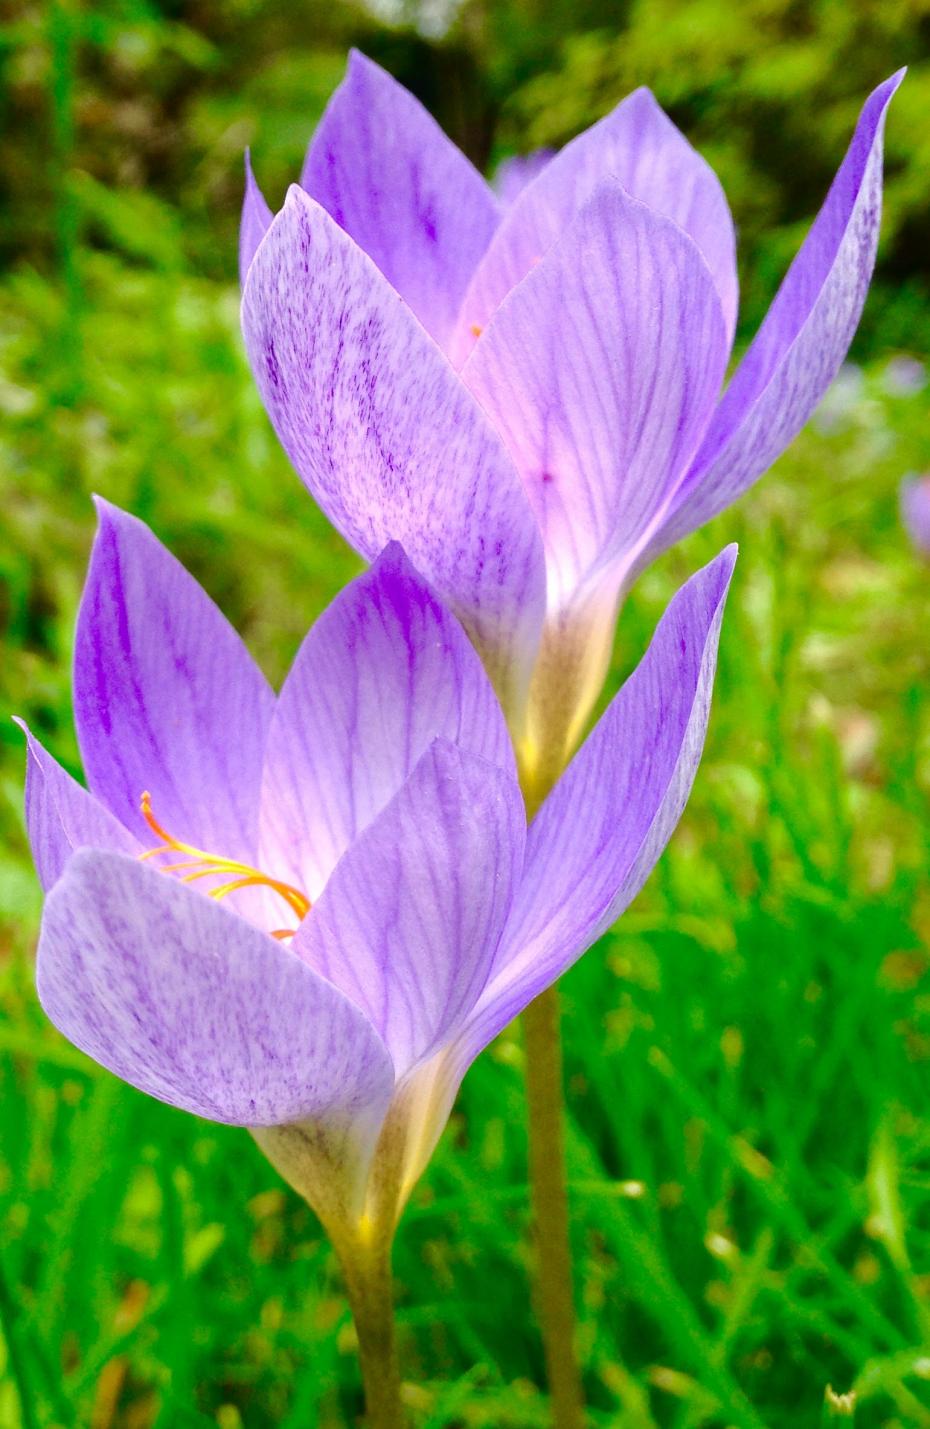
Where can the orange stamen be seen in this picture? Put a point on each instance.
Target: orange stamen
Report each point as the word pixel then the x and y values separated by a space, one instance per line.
pixel 207 865
pixel 476 330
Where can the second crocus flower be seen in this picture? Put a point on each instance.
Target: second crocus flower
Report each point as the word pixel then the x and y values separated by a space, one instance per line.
pixel 529 397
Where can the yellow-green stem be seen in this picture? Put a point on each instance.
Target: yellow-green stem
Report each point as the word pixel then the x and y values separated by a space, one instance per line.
pixel 549 1198
pixel 545 1096
pixel 367 1271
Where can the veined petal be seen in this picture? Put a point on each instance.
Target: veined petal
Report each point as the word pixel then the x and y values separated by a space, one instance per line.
pixel 385 171
pixel 62 816
pixel 799 348
pixel 389 442
pixel 383 672
pixel 188 1002
pixel 409 923
pixel 166 697
pixel 600 371
pixel 255 221
pixel 599 834
pixel 639 146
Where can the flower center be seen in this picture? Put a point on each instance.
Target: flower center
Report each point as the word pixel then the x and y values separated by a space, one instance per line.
pixel 199 864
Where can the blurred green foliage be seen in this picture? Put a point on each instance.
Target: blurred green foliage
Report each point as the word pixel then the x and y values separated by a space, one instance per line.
pixel 748 1053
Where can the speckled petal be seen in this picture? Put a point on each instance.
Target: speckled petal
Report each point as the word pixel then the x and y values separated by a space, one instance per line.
pixel 166 697
pixel 186 1001
pixel 385 171
pixel 384 672
pixel 386 437
pixel 410 921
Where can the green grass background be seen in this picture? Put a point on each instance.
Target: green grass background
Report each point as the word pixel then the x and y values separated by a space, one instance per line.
pixel 747 1052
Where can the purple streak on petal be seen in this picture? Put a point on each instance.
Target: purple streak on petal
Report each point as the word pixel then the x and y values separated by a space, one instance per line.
pixel 601 831
pixel 255 221
pixel 190 1003
pixel 515 173
pixel 639 146
pixel 388 440
pixel 600 371
pixel 409 923
pixel 384 672
pixel 166 697
pixel 915 511
pixel 799 348
pixel 62 816
pixel 388 175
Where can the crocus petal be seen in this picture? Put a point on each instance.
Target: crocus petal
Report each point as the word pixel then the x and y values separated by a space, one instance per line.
pixel 255 221
pixel 166 697
pixel 915 511
pixel 62 816
pixel 515 173
pixel 598 835
pixel 388 175
pixel 639 146
pixel 188 1002
pixel 799 348
pixel 384 672
pixel 388 440
pixel 409 923
pixel 600 371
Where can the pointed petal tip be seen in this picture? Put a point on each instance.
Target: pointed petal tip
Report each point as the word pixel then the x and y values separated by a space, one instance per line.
pixel 719 571
pixel 114 519
pixel 393 558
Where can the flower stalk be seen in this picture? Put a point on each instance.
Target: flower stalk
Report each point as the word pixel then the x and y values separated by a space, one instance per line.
pixel 548 1177
pixel 366 1267
pixel 549 1199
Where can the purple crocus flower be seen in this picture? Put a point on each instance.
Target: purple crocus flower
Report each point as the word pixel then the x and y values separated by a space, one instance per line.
pixel 307 914
pixel 915 511
pixel 529 398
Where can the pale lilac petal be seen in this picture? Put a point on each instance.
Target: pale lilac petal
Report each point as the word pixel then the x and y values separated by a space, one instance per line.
pixel 639 146
pixel 409 924
pixel 255 221
pixel 188 1002
pixel 62 816
pixel 599 834
pixel 384 672
pixel 515 173
pixel 388 175
pixel 915 511
pixel 166 697
pixel 388 440
pixel 802 342
pixel 600 371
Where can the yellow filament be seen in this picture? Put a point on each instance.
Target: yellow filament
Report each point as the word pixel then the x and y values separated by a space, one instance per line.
pixel 200 864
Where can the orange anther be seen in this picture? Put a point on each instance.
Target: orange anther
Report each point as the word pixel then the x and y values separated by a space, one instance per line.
pixel 200 864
